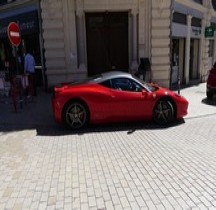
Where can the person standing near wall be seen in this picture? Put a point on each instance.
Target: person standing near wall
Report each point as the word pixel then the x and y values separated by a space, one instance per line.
pixel 29 68
pixel 144 70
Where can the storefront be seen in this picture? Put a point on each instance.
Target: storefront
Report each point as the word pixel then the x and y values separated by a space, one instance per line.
pixel 186 52
pixel 28 21
pixel 178 48
pixel 179 33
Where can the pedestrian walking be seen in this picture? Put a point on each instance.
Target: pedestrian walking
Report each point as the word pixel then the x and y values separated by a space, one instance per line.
pixel 29 69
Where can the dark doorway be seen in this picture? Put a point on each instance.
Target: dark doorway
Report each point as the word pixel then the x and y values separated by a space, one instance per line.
pixel 194 54
pixel 107 41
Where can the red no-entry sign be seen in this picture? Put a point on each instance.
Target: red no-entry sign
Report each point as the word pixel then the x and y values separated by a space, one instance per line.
pixel 13 32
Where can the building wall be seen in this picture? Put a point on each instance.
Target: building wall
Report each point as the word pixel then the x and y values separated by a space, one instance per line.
pixel 150 33
pixel 160 39
pixel 65 39
pixel 54 40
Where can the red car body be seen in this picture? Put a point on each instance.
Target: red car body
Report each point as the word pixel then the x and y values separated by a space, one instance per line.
pixel 211 83
pixel 107 104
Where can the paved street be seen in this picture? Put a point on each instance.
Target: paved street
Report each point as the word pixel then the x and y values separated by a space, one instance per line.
pixel 123 166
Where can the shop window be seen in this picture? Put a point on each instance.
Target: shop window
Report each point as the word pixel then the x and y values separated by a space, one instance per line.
pixel 196 22
pixel 179 18
pixel 175 52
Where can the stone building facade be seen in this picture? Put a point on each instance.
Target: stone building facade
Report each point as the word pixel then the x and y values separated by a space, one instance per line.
pixel 79 38
pixel 193 53
pixel 66 38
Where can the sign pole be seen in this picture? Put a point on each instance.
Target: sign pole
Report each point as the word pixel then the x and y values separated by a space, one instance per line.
pixel 16 57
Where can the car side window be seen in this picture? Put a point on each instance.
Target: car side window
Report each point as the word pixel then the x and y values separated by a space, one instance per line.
pixel 106 83
pixel 125 84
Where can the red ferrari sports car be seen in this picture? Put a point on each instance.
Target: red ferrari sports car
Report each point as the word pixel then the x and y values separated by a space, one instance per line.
pixel 115 97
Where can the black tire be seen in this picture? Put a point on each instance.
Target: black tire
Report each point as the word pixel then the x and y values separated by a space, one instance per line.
pixel 163 112
pixel 76 115
pixel 209 95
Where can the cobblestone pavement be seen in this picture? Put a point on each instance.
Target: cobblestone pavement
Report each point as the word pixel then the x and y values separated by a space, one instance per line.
pixel 198 103
pixel 122 166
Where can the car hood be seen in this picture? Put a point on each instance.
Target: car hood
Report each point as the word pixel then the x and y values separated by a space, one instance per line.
pixel 161 91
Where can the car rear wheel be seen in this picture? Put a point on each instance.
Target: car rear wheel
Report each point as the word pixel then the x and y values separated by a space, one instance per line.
pixel 76 115
pixel 163 112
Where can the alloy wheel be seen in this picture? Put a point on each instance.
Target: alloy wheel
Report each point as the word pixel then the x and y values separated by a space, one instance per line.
pixel 76 115
pixel 163 112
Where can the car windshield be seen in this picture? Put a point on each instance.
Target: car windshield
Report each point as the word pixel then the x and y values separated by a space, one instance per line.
pixel 147 86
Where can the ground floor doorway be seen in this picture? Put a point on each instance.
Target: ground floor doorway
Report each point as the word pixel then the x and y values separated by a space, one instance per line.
pixel 107 41
pixel 194 59
pixel 178 48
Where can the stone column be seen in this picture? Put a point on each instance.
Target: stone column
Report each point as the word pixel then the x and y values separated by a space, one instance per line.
pixel 134 64
pixel 81 40
pixel 187 49
pixel 201 47
pixel 206 49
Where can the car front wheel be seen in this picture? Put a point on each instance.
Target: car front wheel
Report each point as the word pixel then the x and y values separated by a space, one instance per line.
pixel 163 112
pixel 75 115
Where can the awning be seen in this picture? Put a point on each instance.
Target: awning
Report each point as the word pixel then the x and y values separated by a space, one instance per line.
pixel 27 19
pixel 187 10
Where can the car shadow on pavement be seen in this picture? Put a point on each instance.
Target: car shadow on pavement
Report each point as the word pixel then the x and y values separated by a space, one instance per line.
pixel 54 129
pixel 129 128
pixel 211 102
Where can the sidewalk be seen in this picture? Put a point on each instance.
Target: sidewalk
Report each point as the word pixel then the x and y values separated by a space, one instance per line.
pixel 35 113
pixel 198 104
pixel 39 112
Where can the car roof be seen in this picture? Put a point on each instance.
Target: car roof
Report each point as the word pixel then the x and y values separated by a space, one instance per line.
pixel 109 75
